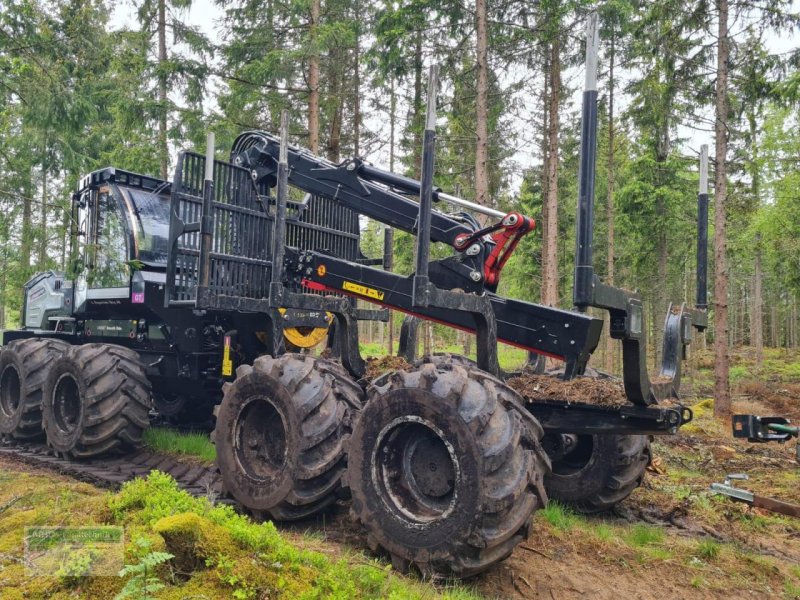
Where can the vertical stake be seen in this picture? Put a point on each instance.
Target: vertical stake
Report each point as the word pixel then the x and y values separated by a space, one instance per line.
pixel 583 291
pixel 207 219
pixel 702 231
pixel 426 194
pixel 282 193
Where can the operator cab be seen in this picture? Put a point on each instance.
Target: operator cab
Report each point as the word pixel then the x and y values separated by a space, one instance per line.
pixel 120 237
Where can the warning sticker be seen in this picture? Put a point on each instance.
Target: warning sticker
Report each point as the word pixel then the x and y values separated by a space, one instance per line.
pixel 362 290
pixel 227 363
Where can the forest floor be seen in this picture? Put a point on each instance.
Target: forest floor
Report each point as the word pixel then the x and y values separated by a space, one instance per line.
pixel 673 538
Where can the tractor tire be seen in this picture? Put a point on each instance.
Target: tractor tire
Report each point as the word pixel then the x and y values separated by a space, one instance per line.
pixel 445 469
pixel 445 358
pixel 600 472
pixel 24 365
pixel 96 401
pixel 280 434
pixel 179 409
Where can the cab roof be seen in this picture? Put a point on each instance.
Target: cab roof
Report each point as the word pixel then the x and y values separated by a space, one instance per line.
pixel 122 177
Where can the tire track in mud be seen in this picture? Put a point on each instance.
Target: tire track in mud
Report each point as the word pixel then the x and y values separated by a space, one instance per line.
pixel 112 472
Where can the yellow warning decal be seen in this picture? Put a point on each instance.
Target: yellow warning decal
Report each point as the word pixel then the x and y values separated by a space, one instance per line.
pixel 227 363
pixel 362 290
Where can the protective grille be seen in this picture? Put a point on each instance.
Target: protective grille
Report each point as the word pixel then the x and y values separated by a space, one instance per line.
pixel 243 221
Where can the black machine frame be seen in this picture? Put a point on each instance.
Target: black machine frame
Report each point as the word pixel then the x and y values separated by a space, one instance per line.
pixel 458 291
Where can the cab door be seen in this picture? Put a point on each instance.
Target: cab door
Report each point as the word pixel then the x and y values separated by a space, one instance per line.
pixel 105 252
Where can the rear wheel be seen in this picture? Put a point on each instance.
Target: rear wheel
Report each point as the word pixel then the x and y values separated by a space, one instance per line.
pixel 593 473
pixel 24 365
pixel 181 409
pixel 96 400
pixel 445 469
pixel 280 434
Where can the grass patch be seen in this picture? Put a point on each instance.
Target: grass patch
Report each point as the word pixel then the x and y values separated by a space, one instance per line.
pixel 708 550
pixel 791 590
pixel 603 532
pixel 648 554
pixel 738 373
pixel 169 441
pixel 641 536
pixel 559 516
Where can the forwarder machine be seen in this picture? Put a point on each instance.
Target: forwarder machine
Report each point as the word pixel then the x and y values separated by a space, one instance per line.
pixel 445 463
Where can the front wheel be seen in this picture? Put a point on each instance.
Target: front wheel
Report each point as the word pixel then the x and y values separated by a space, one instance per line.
pixel 445 469
pixel 96 401
pixel 593 473
pixel 24 365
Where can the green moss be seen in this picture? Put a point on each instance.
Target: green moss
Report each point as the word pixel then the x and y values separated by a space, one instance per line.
pixel 247 559
pixel 223 554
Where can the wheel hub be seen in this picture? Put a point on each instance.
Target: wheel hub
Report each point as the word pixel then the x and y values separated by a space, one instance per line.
pixel 417 470
pixel 66 403
pixel 570 453
pixel 10 391
pixel 431 471
pixel 261 435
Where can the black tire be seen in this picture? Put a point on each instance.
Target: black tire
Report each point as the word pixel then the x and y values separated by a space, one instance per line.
pixel 24 365
pixel 600 472
pixel 280 434
pixel 96 401
pixel 180 409
pixel 445 469
pixel 445 358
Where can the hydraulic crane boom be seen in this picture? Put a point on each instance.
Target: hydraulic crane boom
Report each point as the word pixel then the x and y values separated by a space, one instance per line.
pixel 380 195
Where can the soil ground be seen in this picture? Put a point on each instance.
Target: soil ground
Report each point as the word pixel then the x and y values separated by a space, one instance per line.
pixel 672 538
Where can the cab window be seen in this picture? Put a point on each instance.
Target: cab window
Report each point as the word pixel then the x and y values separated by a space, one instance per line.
pixel 108 251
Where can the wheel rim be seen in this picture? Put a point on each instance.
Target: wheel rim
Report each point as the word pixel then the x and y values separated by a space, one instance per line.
pixel 66 403
pixel 577 458
pixel 10 391
pixel 416 470
pixel 261 448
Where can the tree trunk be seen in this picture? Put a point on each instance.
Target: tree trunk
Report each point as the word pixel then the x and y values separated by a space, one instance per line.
pixel 550 242
pixel 722 391
pixel 41 260
pixel 545 161
pixel 334 95
pixel 482 106
pixel 357 94
pixel 610 344
pixel 163 150
pixel 773 322
pixel 662 283
pixel 27 231
pixel 313 81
